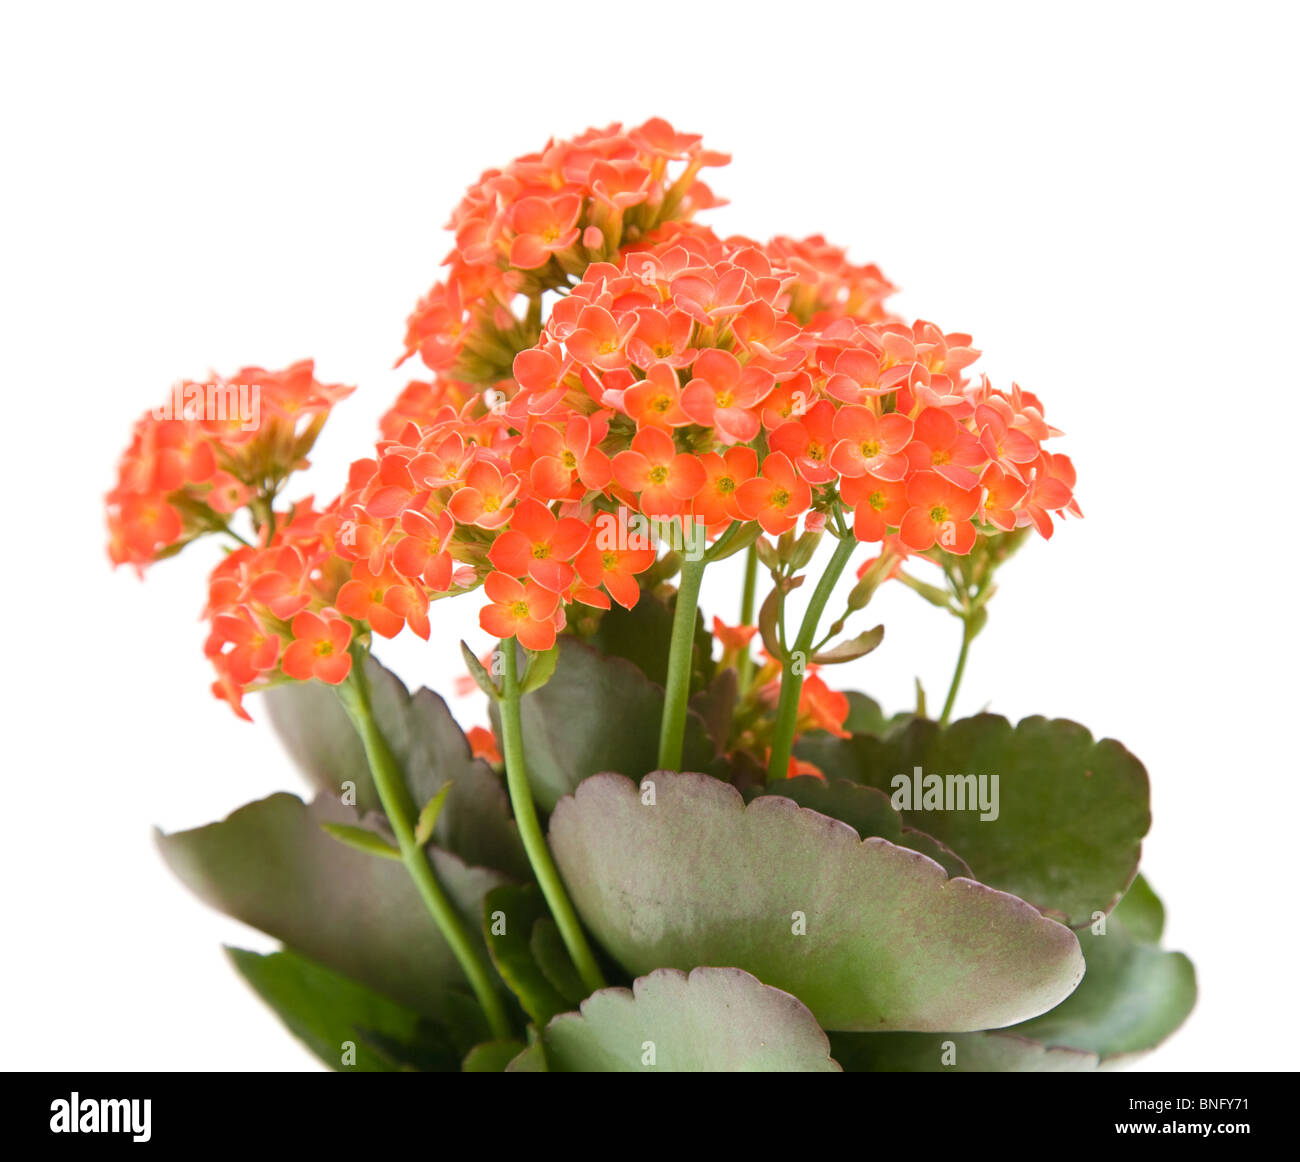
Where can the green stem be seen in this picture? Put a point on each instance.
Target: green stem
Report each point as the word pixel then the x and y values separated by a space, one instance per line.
pixel 677 691
pixel 355 697
pixel 530 830
pixel 747 598
pixel 957 673
pixel 796 662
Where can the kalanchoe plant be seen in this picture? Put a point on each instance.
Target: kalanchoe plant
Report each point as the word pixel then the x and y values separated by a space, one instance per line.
pixel 675 849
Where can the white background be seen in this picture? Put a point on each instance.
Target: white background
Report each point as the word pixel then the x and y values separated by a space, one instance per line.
pixel 1103 195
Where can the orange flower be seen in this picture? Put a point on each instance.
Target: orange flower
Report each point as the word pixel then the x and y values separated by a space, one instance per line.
pixel 878 505
pixel 870 444
pixel 319 649
pixel 722 394
pixel 944 445
pixel 777 498
pixel 526 611
pixel 821 708
pixel 614 568
pixel 665 479
pixel 422 549
pixel 566 461
pixel 734 638
pixel 938 511
pixel 539 546
pixel 718 500
pixel 543 227
pixel 483 744
pixel 808 440
pixel 486 497
pixel 657 400
pixel 365 598
pixel 1003 494
pixel 253 650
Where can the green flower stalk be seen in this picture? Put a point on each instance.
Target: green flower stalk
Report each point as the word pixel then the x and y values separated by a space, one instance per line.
pixel 354 694
pixel 677 692
pixel 797 656
pixel 530 830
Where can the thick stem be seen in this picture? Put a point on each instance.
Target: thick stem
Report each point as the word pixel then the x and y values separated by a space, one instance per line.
pixel 957 673
pixel 396 800
pixel 677 692
pixel 796 663
pixel 748 597
pixel 530 830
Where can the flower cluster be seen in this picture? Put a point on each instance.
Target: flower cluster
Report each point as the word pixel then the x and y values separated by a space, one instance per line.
pixel 677 385
pixel 542 220
pixel 661 383
pixel 827 285
pixel 274 610
pixel 210 450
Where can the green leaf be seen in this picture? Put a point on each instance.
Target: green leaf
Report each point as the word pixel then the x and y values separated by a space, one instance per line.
pixel 531 1060
pixel 552 957
pixel 944 856
pixel 1001 1052
pixel 1141 912
pixel 643 635
pixel 540 668
pixel 509 914
pixel 865 715
pixel 868 934
pixel 716 706
pixel 322 741
pixel 1133 996
pixel 717 1020
pixel 596 714
pixel 852 649
pixel 475 822
pixel 865 809
pixel 745 537
pixel 1071 812
pixel 432 750
pixel 428 817
pixel 362 839
pixel 479 673
pixel 1138 994
pixel 331 1015
pixel 769 621
pixel 934 594
pixel 491 1056
pixel 270 865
